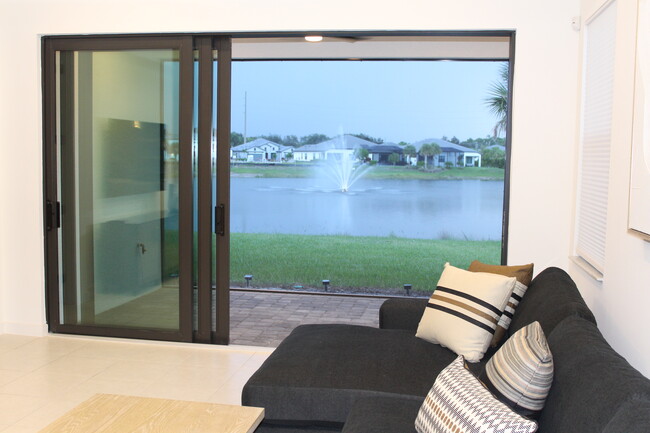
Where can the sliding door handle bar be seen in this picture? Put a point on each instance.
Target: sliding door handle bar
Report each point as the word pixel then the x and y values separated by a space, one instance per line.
pixel 52 215
pixel 219 215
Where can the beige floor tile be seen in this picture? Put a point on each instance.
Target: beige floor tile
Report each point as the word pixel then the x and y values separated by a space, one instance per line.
pixel 47 414
pixel 113 350
pixel 94 386
pixel 16 360
pixel 8 376
pixel 13 408
pixel 8 341
pixel 20 429
pixel 42 384
pixel 226 395
pixel 199 376
pixel 135 371
pixel 237 381
pixel 51 345
pixel 214 358
pixel 255 361
pixel 42 378
pixel 77 365
pixel 189 393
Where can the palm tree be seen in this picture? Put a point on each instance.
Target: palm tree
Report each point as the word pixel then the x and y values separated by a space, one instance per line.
pixel 429 149
pixel 409 151
pixel 497 100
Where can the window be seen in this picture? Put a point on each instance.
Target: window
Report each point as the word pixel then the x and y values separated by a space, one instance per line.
pixel 598 80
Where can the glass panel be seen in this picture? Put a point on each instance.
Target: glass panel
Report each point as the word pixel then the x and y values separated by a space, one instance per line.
pixel 118 128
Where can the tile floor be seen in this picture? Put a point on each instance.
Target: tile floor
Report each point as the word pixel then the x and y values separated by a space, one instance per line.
pixel 41 378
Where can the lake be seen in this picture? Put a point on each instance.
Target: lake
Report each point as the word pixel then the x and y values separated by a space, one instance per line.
pixel 425 209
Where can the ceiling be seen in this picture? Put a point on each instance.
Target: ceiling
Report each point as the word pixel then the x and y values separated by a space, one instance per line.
pixel 360 47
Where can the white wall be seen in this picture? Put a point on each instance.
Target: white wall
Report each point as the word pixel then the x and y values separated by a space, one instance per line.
pixel 545 105
pixel 621 301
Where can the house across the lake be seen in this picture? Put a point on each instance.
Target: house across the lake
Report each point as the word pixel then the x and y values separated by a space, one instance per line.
pixel 332 148
pixel 346 144
pixel 457 155
pixel 261 150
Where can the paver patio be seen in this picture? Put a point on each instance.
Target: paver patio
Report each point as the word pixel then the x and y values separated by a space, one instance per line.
pixel 259 318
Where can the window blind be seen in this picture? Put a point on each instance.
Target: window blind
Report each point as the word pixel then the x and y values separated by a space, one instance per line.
pixel 598 86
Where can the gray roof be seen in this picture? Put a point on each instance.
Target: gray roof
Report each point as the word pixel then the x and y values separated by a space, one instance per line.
pixel 345 141
pixel 445 146
pixel 257 142
pixel 386 148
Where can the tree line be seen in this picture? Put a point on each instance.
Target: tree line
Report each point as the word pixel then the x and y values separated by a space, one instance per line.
pixel 237 138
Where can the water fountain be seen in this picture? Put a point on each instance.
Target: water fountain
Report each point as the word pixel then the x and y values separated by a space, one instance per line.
pixel 342 168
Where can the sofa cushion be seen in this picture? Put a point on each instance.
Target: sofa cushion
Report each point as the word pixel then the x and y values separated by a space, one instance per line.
pixel 317 373
pixel 551 297
pixel 524 275
pixel 632 417
pixel 402 313
pixel 383 415
pixel 464 310
pixel 459 403
pixel 521 372
pixel 591 381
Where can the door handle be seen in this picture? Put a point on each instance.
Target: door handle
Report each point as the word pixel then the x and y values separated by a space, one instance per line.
pixel 219 216
pixel 52 215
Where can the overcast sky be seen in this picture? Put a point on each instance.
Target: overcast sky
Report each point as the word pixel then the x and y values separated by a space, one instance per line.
pixel 397 101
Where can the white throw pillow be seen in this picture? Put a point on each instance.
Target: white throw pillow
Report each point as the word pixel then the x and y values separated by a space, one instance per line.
pixel 464 310
pixel 459 403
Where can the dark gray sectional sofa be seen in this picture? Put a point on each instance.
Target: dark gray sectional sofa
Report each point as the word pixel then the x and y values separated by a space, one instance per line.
pixel 356 379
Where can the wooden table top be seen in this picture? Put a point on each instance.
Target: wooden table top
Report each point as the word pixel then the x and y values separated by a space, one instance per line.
pixel 123 414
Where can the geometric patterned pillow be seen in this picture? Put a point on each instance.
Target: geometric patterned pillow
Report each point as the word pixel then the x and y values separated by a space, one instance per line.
pixel 459 403
pixel 463 312
pixel 520 373
pixel 523 274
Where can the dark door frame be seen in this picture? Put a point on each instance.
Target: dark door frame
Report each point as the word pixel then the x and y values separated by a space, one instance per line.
pixel 52 206
pixel 210 219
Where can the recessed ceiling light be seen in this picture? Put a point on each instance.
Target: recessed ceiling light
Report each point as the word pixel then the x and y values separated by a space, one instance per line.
pixel 313 38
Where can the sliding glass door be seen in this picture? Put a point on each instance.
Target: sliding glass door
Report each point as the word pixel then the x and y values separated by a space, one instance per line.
pixel 125 234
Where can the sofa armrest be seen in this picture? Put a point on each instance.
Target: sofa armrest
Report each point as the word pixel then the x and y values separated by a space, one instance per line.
pixel 401 313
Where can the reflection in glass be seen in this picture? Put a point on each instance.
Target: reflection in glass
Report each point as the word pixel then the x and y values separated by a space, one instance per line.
pixel 118 134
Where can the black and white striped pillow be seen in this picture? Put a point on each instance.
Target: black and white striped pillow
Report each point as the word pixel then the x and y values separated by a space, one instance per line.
pixel 520 373
pixel 464 310
pixel 459 403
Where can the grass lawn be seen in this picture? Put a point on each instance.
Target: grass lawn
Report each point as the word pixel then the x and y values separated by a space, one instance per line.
pixel 377 172
pixel 284 261
pixel 401 172
pixel 279 260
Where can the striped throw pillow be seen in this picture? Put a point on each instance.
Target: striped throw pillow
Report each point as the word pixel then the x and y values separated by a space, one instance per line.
pixel 464 310
pixel 523 274
pixel 520 373
pixel 459 403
